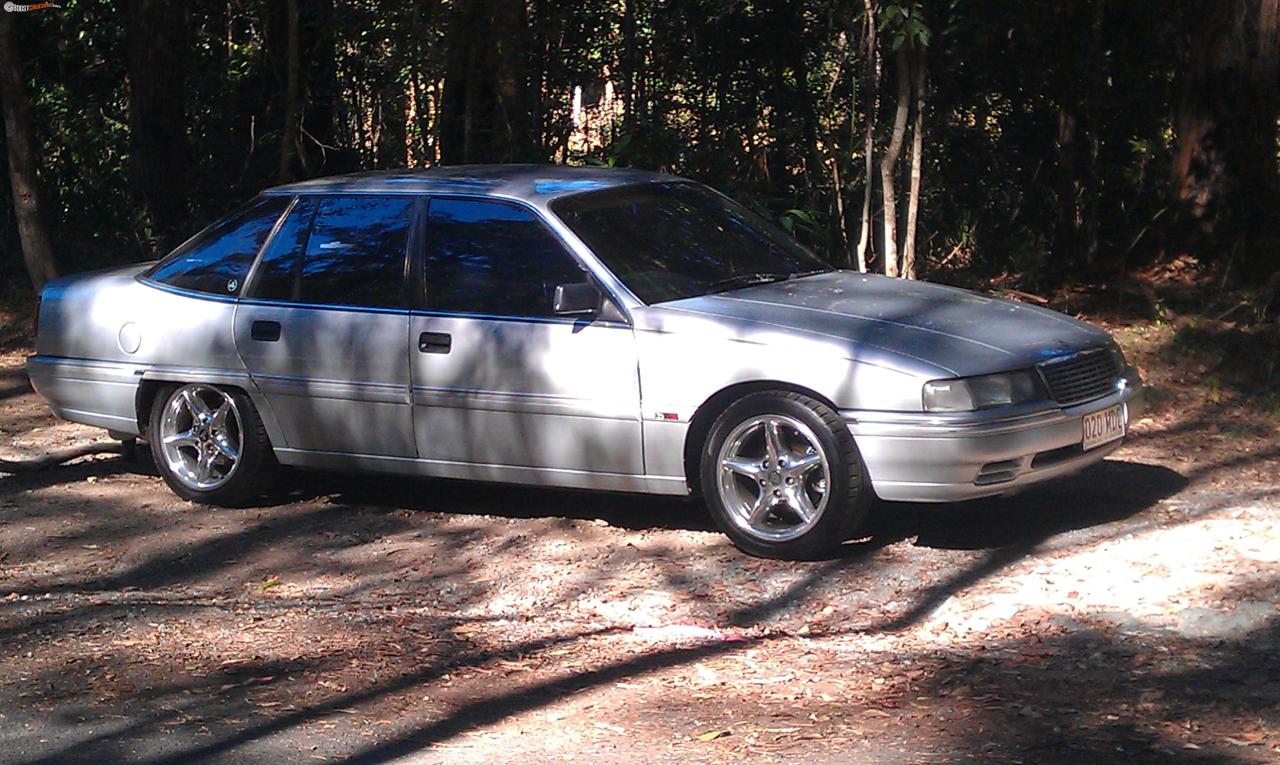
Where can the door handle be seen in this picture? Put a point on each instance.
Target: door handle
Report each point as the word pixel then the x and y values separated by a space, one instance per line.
pixel 435 342
pixel 266 331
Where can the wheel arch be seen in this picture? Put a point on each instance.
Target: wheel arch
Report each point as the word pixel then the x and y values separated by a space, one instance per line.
pixel 150 387
pixel 715 405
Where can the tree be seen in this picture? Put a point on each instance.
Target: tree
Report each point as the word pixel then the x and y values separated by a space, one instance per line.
pixel 24 160
pixel 1225 179
pixel 919 83
pixel 871 54
pixel 889 163
pixel 910 38
pixel 292 96
pixel 486 114
pixel 157 40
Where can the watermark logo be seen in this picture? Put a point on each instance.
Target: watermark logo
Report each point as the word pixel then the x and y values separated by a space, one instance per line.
pixel 16 8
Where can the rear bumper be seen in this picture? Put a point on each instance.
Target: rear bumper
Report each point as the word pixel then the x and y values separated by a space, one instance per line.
pixel 917 457
pixel 98 393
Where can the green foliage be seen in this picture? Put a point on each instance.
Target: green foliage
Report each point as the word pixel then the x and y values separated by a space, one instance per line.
pixel 765 100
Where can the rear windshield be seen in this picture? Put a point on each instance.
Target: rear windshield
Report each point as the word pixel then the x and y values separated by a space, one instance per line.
pixel 667 241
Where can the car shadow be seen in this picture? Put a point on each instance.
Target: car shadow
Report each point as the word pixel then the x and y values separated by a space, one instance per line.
pixel 433 495
pixel 1111 491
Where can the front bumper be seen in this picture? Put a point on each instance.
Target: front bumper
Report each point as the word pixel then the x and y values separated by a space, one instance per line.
pixel 925 457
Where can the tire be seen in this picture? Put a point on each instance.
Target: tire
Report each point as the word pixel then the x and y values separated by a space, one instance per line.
pixel 803 504
pixel 229 424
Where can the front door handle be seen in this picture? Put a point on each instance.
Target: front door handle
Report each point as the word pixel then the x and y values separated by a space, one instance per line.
pixel 435 342
pixel 266 331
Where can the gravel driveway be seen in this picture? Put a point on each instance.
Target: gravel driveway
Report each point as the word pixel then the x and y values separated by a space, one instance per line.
pixel 1130 614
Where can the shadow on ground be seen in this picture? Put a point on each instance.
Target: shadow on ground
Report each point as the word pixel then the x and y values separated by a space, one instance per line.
pixel 1106 501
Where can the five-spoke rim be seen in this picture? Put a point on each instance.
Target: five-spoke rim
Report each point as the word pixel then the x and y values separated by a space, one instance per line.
pixel 201 436
pixel 773 477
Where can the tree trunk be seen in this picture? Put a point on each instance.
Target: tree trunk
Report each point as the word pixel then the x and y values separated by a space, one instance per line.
pixel 486 106
pixel 869 131
pixel 839 72
pixel 920 81
pixel 292 96
pixel 628 63
pixel 1066 238
pixel 317 153
pixel 157 120
pixel 889 164
pixel 24 159
pixel 514 140
pixel 840 212
pixel 1224 173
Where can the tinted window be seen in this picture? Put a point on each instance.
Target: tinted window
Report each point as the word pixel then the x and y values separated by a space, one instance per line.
pixel 492 258
pixel 673 240
pixel 355 254
pixel 279 269
pixel 217 259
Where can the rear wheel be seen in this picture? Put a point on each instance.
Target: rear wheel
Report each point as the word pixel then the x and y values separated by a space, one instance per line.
pixel 209 444
pixel 782 476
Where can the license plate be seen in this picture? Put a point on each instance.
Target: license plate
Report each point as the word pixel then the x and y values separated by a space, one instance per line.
pixel 1103 427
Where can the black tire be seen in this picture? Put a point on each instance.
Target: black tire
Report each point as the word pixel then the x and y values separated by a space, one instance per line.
pixel 847 491
pixel 253 472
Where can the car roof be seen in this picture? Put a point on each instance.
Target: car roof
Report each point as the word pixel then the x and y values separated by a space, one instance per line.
pixel 531 183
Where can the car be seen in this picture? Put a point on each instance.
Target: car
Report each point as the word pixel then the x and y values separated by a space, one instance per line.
pixel 580 327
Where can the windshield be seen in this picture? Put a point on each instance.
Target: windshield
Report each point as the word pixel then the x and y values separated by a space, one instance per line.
pixel 668 241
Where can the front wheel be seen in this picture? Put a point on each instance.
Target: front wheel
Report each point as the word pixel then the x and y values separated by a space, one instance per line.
pixel 782 476
pixel 209 444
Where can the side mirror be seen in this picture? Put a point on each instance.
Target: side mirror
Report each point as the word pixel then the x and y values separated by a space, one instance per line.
pixel 581 299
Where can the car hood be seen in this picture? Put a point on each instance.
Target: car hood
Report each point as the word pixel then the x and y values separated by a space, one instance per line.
pixel 957 331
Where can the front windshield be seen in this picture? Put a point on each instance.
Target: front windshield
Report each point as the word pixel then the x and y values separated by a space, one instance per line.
pixel 667 241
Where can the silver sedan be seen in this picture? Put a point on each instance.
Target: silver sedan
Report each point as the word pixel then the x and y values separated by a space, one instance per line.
pixel 577 327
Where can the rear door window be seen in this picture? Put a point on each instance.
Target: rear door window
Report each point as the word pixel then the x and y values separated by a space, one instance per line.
pixel 217 259
pixel 355 253
pixel 493 259
pixel 280 269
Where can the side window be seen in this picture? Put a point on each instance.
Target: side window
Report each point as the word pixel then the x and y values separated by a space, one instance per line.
pixel 493 258
pixel 217 259
pixel 355 254
pixel 281 264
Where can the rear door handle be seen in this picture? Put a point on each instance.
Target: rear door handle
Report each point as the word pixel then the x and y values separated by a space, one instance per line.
pixel 435 342
pixel 266 331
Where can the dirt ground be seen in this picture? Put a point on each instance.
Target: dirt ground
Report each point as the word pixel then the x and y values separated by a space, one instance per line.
pixel 1129 614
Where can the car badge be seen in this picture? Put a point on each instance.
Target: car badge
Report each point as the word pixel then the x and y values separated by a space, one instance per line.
pixel 233 285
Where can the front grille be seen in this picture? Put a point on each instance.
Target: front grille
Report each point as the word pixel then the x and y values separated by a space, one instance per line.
pixel 1083 376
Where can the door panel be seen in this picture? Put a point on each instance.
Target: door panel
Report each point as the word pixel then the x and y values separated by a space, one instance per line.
pixel 336 379
pixel 325 330
pixel 550 394
pixel 498 378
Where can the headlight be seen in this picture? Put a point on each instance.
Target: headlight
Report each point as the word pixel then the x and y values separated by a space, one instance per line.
pixel 971 393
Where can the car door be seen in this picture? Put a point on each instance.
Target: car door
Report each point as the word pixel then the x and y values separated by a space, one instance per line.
pixel 324 329
pixel 498 378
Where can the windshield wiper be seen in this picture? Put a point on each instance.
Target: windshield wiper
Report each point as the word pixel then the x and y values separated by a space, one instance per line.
pixel 745 280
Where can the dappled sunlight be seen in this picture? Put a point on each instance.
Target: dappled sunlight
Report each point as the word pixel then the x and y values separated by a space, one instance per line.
pixel 372 619
pixel 1144 579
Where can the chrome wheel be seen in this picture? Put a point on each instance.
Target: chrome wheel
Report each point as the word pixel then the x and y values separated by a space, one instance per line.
pixel 773 477
pixel 201 437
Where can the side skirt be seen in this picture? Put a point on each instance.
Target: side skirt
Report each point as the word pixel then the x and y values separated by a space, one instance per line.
pixel 532 476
